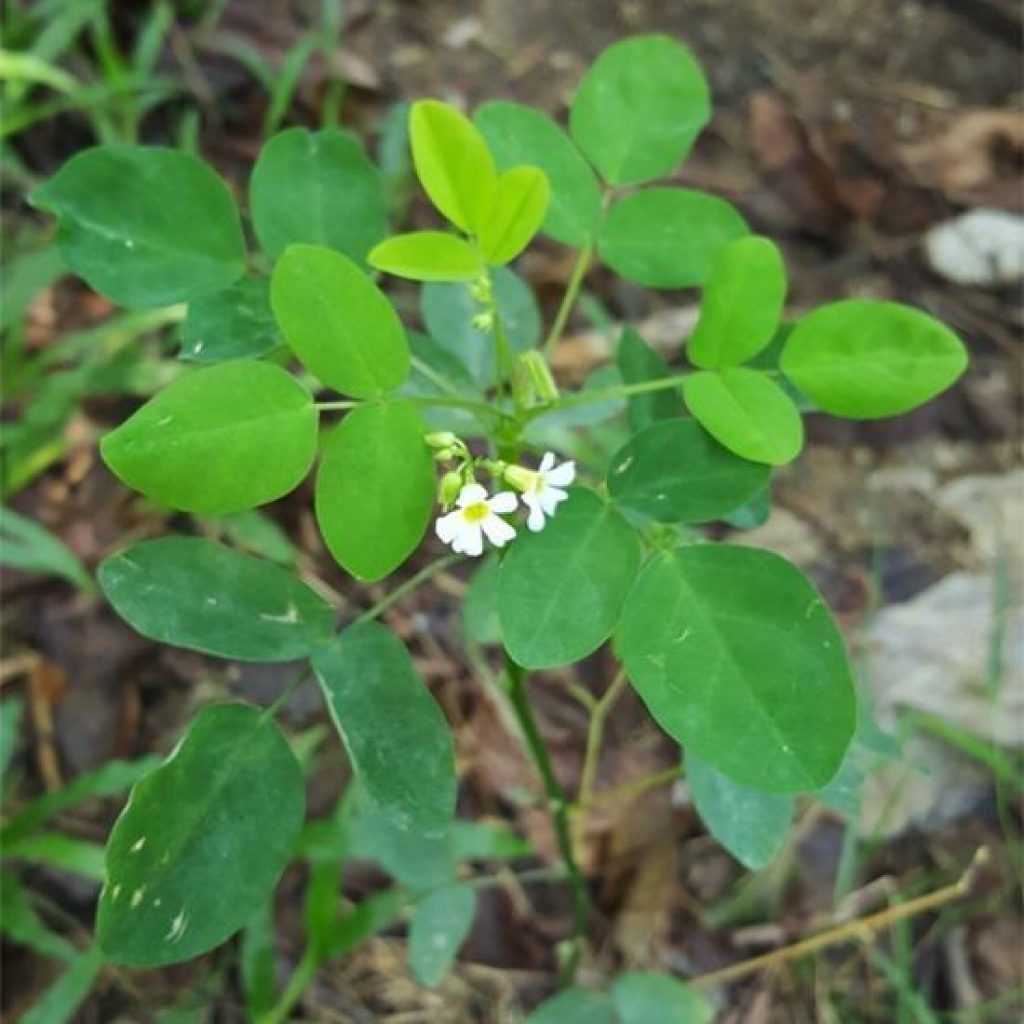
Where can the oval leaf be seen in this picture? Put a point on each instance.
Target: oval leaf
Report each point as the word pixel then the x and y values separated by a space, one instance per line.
pixel 742 304
pixel 453 163
pixel 517 212
pixel 375 488
pixel 195 593
pixel 747 412
pixel 338 322
pixel 145 226
pixel 428 256
pixel 675 472
pixel 646 997
pixel 639 109
pixel 574 1006
pixel 202 841
pixel 317 188
pixel 218 440
pixel 236 323
pixel 439 926
pixel 551 618
pixel 668 237
pixel 396 736
pixel 751 824
pixel 737 657
pixel 866 359
pixel 521 135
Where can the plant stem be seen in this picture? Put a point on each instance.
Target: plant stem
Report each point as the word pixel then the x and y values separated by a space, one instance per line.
pixel 452 401
pixel 426 573
pixel 595 737
pixel 572 290
pixel 301 977
pixel 559 807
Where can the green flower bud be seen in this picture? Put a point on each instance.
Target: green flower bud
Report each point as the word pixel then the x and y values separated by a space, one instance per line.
pixel 532 383
pixel 441 439
pixel 520 477
pixel 450 486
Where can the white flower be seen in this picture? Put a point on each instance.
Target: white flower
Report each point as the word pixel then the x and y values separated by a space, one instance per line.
pixel 545 490
pixel 475 517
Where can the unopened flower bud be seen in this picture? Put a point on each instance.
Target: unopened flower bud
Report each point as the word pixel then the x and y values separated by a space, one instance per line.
pixel 484 322
pixel 448 491
pixel 441 439
pixel 481 290
pixel 520 477
pixel 532 383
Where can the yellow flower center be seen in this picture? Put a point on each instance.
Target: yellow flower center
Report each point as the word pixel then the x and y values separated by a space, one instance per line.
pixel 475 513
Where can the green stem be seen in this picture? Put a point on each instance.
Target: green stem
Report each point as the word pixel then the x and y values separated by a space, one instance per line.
pixel 426 573
pixel 444 401
pixel 297 983
pixel 572 291
pixel 595 736
pixel 559 807
pixel 606 394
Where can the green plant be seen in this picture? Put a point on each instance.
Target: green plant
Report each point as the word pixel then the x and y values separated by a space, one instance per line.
pixel 732 649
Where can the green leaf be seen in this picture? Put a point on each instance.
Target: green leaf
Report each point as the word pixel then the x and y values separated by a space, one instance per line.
pixel 675 472
pixel 375 488
pixel 196 593
pixel 484 840
pixel 145 226
pixel 427 256
pixel 203 840
pixel 448 311
pixel 521 135
pixel 742 304
pixel 78 856
pixel 520 204
pixel 639 109
pixel 574 1006
pixel 747 412
pixel 369 917
pixel 236 323
pixel 645 997
pixel 738 659
pixel 218 440
pixel 258 962
pixel 64 996
pixel 560 591
pixel 317 188
pixel 639 363
pixel 480 623
pixel 668 237
pixel 751 824
pixel 396 735
pixel 453 163
pixel 440 923
pixel 26 545
pixel 320 910
pixel 338 322
pixel 11 711
pixel 20 922
pixel 866 359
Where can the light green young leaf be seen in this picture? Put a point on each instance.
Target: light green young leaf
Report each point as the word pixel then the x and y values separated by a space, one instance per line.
pixel 236 323
pixel 62 999
pixel 675 472
pixel 668 237
pixel 560 591
pixel 448 310
pixel 638 363
pixel 750 823
pixel 440 923
pixel 742 304
pixel 453 163
pixel 202 841
pixel 427 256
pixel 517 211
pixel 747 412
pixel 338 322
pixel 375 488
pixel 196 593
pixel 574 1006
pixel 396 735
pixel 218 440
pixel 866 359
pixel 26 545
pixel 646 997
pixel 521 135
pixel 738 659
pixel 317 188
pixel 639 109
pixel 145 226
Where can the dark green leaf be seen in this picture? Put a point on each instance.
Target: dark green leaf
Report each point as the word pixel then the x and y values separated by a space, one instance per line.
pixel 395 734
pixel 218 440
pixel 551 618
pixel 645 997
pixel 77 856
pixel 235 323
pixel 737 657
pixel 668 237
pixel 674 471
pixel 202 841
pixel 375 488
pixel 145 226
pixel 440 923
pixel 574 1006
pixel 10 721
pixel 639 363
pixel 480 623
pixel 196 593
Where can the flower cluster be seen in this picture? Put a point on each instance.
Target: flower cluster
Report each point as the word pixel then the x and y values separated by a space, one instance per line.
pixel 477 516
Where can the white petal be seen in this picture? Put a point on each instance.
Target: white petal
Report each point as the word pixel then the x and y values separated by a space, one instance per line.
pixel 471 494
pixel 499 533
pixel 563 475
pixel 550 497
pixel 471 539
pixel 535 520
pixel 504 503
pixel 447 527
pixel 547 462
